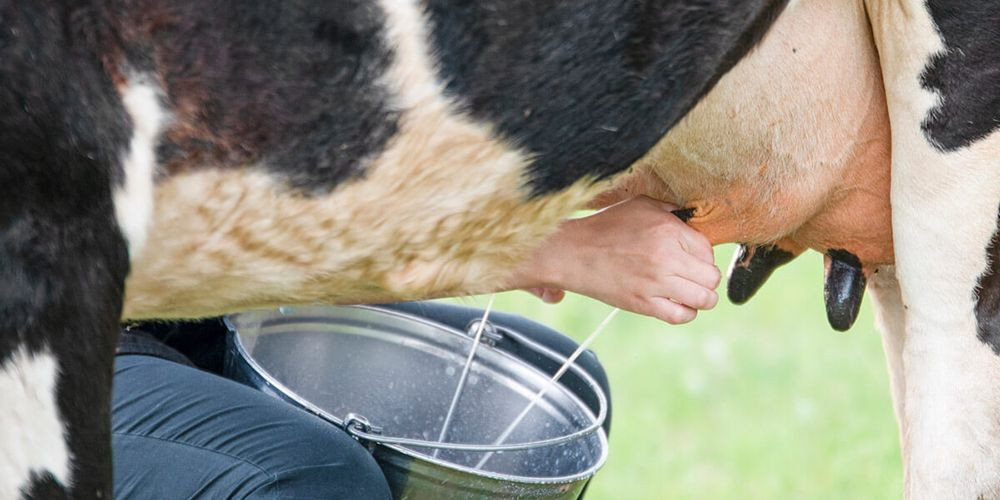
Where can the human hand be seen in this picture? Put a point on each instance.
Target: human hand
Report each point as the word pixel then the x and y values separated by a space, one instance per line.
pixel 548 295
pixel 635 255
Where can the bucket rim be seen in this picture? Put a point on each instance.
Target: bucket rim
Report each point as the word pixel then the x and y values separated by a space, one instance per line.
pixel 232 324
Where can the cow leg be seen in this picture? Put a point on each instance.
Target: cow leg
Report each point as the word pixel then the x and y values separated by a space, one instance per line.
pixel 945 190
pixel 63 263
pixel 952 379
pixel 76 175
pixel 890 318
pixel 61 291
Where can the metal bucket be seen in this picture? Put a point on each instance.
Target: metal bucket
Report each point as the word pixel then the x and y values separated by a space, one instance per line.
pixel 388 379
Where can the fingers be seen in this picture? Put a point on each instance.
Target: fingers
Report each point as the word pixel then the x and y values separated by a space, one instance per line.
pixel 686 298
pixel 548 295
pixel 696 244
pixel 701 273
pixel 669 311
pixel 688 293
pixel 636 255
pixel 692 241
pixel 553 295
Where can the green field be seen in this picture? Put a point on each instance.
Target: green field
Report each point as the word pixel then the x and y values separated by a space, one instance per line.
pixel 763 400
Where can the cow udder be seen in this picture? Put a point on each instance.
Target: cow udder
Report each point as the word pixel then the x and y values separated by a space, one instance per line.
pixel 790 151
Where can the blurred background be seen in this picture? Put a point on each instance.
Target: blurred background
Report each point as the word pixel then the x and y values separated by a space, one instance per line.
pixel 763 400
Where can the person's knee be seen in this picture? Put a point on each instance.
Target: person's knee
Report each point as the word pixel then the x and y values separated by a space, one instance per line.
pixel 332 466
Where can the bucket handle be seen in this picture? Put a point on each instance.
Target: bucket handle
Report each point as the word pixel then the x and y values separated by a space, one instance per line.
pixel 359 427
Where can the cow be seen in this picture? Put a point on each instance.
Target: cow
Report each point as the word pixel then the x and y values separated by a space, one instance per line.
pixel 183 158
pixel 898 97
pixel 790 151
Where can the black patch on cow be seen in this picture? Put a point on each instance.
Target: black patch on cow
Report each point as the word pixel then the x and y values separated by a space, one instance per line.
pixel 843 289
pixel 588 86
pixel 684 214
pixel 752 266
pixel 43 487
pixel 63 260
pixel 293 86
pixel 966 75
pixel 988 297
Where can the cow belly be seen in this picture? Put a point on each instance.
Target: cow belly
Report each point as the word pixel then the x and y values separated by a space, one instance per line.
pixel 792 146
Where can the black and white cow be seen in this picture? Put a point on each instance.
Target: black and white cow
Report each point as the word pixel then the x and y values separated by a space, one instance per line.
pixel 940 61
pixel 792 149
pixel 179 158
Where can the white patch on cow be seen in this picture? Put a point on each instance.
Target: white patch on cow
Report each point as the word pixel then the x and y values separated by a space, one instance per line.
pixel 134 199
pixel 944 214
pixel 413 74
pixel 32 433
pixel 883 288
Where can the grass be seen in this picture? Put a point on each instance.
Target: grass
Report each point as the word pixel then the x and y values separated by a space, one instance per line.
pixel 763 400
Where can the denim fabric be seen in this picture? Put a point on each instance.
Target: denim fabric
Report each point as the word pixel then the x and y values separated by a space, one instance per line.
pixel 179 432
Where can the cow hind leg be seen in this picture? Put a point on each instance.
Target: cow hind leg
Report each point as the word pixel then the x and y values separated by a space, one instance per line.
pixel 61 290
pixel 883 288
pixel 71 149
pixel 945 191
pixel 950 380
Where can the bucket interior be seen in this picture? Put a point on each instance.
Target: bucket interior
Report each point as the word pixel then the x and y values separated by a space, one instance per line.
pixel 400 373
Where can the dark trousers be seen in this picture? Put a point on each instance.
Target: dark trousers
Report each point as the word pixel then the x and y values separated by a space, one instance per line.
pixel 181 431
